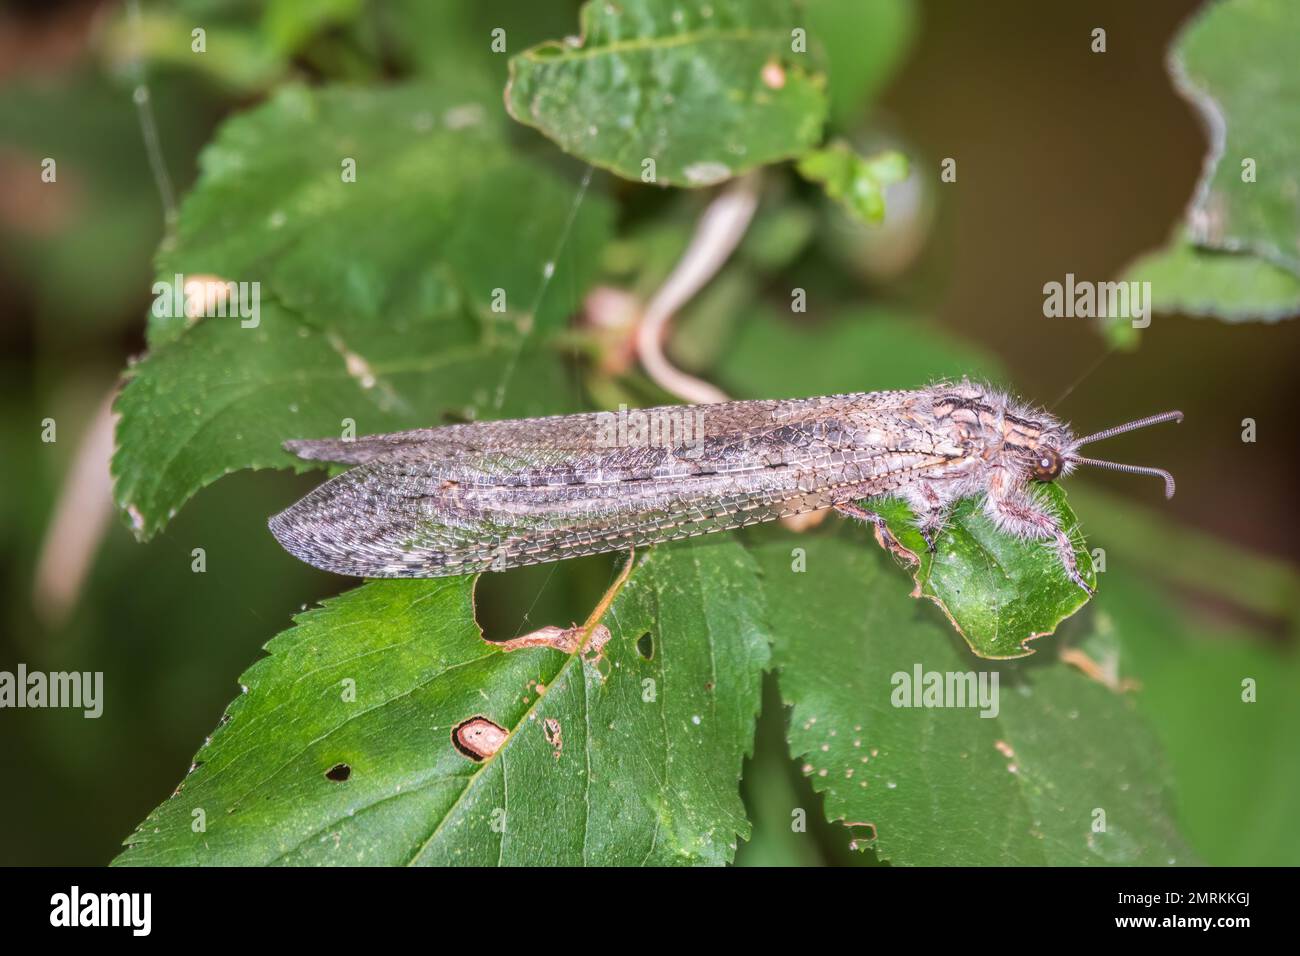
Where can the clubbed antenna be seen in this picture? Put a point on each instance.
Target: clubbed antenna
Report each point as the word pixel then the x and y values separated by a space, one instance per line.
pixel 1128 469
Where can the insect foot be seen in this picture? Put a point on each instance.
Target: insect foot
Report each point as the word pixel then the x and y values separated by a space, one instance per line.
pixel 884 537
pixel 1019 515
pixel 1066 549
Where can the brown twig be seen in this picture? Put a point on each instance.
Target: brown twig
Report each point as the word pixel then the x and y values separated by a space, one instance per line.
pixel 716 237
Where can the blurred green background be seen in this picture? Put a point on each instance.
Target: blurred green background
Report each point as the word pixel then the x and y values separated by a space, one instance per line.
pixel 1068 162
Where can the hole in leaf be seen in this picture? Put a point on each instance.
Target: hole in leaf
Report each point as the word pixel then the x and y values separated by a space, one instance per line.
pixel 509 604
pixel 478 738
pixel 645 645
pixel 554 734
pixel 338 773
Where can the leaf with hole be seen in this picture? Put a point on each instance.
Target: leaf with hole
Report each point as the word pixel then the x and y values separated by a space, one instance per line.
pixel 383 729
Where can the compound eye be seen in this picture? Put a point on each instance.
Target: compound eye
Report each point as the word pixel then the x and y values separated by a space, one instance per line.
pixel 1047 465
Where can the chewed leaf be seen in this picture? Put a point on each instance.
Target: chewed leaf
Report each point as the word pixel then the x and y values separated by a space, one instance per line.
pixel 675 93
pixel 383 729
pixel 998 591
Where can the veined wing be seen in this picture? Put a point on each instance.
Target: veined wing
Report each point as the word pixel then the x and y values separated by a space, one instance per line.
pixel 589 432
pixel 463 498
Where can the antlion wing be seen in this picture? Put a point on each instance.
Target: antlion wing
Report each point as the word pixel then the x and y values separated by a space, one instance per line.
pixel 570 434
pixel 463 498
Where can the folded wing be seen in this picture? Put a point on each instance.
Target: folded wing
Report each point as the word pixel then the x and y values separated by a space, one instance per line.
pixel 466 498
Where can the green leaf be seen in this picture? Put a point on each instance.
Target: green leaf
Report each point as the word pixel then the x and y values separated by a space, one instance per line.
pixel 251 44
pixel 237 56
pixel 943 785
pixel 856 183
pixel 1236 63
pixel 999 592
pixel 623 760
pixel 1240 258
pixel 450 41
pixel 224 398
pixel 705 91
pixel 1232 756
pixel 871 349
pixel 376 295
pixel 272 204
pixel 1186 280
pixel 289 24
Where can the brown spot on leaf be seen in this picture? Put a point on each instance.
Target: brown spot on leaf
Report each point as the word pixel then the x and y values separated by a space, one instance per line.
pixel 564 639
pixel 773 75
pixel 554 735
pixel 478 738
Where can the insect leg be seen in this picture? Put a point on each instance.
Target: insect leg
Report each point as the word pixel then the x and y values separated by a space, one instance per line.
pixel 1019 516
pixel 932 512
pixel 883 534
pixel 930 524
